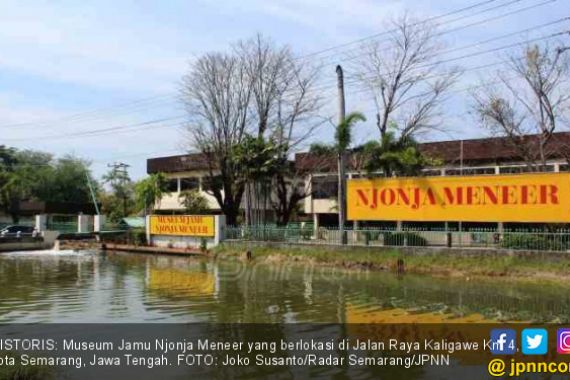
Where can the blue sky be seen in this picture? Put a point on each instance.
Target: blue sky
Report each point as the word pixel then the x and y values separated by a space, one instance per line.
pixel 67 67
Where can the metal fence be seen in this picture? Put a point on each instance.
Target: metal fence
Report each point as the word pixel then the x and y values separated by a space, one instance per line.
pixel 113 226
pixel 67 227
pixel 135 236
pixel 543 240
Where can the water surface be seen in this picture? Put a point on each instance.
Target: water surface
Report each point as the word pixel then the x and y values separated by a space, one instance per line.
pixel 90 286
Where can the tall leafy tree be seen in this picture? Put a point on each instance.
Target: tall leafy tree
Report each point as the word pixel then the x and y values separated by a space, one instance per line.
pixel 122 194
pixel 149 191
pixel 32 175
pixel 70 181
pixel 260 161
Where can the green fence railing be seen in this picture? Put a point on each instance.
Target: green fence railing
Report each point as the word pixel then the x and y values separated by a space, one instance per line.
pixel 542 240
pixel 68 227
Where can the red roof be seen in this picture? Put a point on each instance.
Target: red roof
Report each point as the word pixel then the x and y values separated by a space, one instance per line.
pixel 179 163
pixel 484 151
pixel 493 149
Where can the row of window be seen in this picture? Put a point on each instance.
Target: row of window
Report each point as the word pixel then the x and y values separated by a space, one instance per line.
pixel 326 187
pixel 189 183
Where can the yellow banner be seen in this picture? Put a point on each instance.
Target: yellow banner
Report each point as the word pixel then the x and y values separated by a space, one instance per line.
pixel 491 198
pixel 182 225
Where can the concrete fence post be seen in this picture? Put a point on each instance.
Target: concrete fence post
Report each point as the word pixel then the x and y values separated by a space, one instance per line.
pixel 83 223
pixel 41 222
pixel 99 222
pixel 220 226
pixel 147 227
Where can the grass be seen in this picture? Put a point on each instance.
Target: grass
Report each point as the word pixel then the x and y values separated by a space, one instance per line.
pixel 539 267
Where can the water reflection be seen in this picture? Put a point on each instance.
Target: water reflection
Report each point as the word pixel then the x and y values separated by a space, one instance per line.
pixel 119 287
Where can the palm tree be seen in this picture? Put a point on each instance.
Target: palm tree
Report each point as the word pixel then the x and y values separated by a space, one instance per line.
pixel 343 139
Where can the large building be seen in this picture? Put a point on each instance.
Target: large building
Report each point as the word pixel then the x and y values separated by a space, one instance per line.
pixel 189 172
pixel 486 156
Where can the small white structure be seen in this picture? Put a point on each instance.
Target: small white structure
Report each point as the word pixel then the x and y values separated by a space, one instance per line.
pixel 99 222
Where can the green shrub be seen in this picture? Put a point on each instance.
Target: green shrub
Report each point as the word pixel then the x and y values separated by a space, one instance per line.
pixel 137 237
pixel 404 238
pixel 535 242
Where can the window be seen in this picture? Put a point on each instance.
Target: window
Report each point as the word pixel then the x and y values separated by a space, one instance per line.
pixel 325 187
pixel 431 172
pixel 172 185
pixel 469 171
pixel 526 169
pixel 191 183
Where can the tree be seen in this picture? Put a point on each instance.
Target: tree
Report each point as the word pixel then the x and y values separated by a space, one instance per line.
pixel 216 92
pixel 259 160
pixel 258 90
pixel 31 175
pixel 407 82
pixel 149 191
pixel 194 202
pixel 285 108
pixel 122 190
pixel 69 181
pixel 394 155
pixel 532 97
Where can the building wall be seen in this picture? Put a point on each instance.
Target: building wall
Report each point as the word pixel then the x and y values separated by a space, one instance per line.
pixel 172 201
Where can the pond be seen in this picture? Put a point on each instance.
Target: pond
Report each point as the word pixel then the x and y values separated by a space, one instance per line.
pixel 91 286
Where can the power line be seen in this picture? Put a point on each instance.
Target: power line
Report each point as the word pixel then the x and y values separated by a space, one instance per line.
pixel 463 27
pixel 331 83
pixel 144 102
pixel 470 55
pixel 165 99
pixel 492 40
pixel 100 131
pixel 149 124
pixel 318 52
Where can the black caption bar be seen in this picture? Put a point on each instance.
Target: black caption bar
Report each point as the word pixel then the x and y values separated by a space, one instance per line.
pixel 120 351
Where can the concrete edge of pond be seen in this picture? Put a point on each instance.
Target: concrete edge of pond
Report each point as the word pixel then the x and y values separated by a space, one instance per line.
pixel 153 250
pixel 418 251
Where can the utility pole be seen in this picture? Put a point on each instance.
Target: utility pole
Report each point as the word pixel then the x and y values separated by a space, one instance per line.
pixel 120 177
pixel 341 159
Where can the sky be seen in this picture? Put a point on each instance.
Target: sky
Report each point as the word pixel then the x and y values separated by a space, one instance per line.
pixel 101 79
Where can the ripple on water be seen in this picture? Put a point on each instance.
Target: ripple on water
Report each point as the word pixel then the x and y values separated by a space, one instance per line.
pixel 66 286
